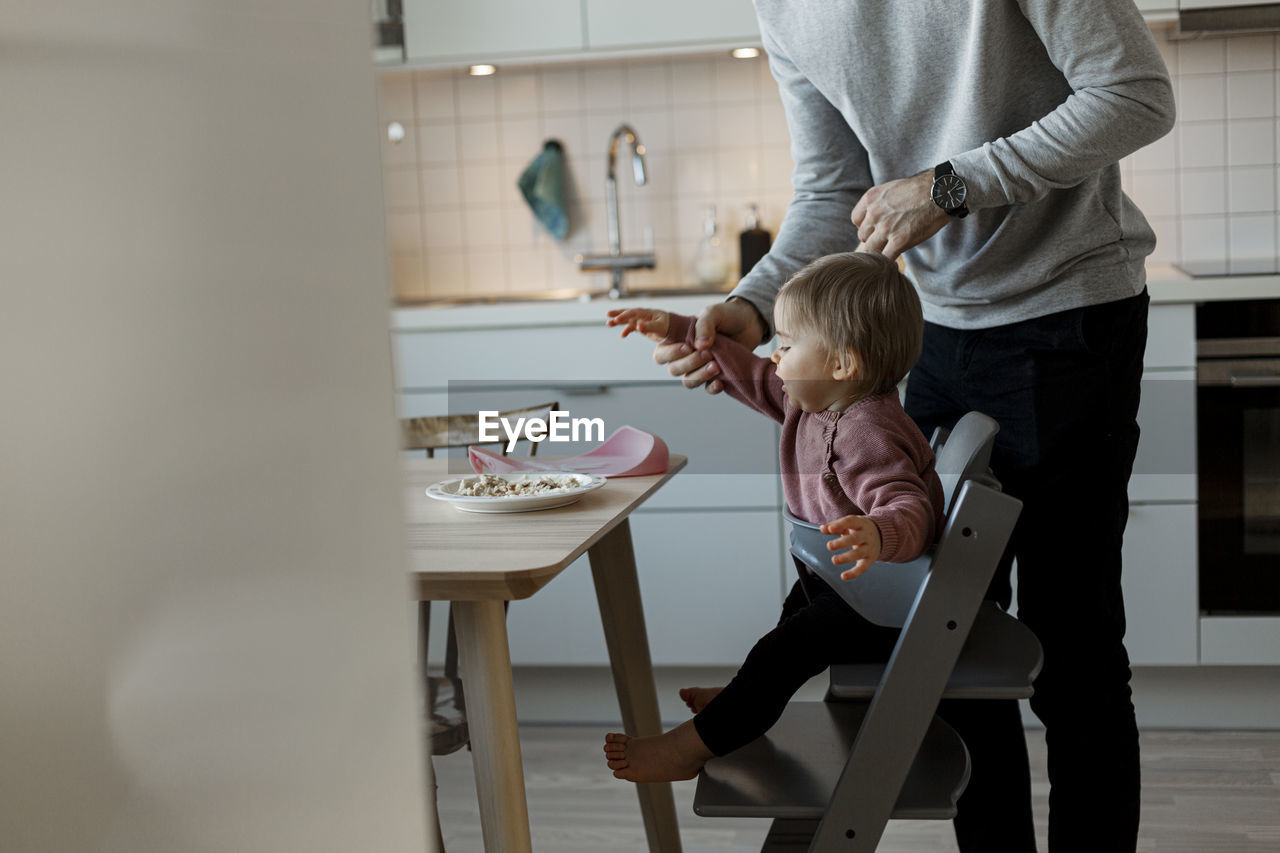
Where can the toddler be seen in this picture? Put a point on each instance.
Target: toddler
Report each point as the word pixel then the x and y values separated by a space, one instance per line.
pixel 849 327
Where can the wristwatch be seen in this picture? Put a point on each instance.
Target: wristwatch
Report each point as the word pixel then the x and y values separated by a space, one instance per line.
pixel 948 191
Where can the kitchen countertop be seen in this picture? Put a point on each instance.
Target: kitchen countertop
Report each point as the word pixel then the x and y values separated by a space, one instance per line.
pixel 1166 284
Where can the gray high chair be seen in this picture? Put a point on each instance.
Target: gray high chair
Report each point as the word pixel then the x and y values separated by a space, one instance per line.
pixel 832 774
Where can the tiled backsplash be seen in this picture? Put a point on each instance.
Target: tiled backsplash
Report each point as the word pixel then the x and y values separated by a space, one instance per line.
pixel 714 132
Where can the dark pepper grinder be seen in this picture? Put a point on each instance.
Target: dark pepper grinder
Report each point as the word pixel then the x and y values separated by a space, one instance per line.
pixel 753 243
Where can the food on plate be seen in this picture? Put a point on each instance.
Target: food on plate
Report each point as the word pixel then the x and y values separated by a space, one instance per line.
pixel 493 486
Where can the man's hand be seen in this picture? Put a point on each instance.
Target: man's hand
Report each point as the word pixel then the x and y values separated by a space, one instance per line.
pixel 861 537
pixel 650 322
pixel 897 215
pixel 736 318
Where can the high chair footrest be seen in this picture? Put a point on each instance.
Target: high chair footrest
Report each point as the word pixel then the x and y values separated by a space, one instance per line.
pixel 792 771
pixel 1000 659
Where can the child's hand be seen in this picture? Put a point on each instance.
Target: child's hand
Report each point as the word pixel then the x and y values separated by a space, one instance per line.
pixel 861 537
pixel 650 322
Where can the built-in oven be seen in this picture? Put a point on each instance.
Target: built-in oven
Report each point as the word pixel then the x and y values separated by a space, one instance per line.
pixel 1238 438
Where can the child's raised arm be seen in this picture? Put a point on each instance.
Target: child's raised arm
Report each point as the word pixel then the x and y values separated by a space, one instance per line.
pixel 650 322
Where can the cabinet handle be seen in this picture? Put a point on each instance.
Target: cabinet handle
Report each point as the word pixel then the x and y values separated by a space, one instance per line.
pixel 581 390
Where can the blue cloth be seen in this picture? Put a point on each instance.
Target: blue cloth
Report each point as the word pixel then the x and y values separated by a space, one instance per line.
pixel 542 185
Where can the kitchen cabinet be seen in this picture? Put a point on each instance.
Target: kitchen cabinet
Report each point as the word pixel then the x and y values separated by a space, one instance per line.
pixel 1159 575
pixel 493 30
pixel 484 29
pixel 621 23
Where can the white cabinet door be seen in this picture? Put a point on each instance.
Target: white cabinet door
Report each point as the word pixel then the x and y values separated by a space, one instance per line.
pixel 1171 337
pixel 710 583
pixel 621 23
pixel 1160 591
pixel 480 29
pixel 1165 467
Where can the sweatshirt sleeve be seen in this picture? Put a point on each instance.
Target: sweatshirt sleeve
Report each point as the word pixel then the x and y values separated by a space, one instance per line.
pixel 1121 100
pixel 890 491
pixel 747 377
pixel 831 173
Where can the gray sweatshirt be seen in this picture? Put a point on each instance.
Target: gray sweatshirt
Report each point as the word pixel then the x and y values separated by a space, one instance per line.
pixel 1033 101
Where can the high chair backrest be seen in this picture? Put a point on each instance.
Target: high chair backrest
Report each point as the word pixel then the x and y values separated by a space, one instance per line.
pixel 885 592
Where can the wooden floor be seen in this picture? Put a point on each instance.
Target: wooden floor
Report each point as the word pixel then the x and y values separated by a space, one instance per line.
pixel 1203 792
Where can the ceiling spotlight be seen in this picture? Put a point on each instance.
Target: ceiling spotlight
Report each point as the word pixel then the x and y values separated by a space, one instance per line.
pixel 482 70
pixel 746 52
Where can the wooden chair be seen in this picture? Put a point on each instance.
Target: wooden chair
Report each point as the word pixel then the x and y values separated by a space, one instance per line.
pixel 832 774
pixel 446 708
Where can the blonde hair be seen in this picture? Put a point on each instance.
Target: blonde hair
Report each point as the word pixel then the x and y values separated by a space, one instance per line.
pixel 857 302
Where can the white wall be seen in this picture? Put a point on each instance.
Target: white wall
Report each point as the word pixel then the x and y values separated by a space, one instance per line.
pixel 716 134
pixel 204 637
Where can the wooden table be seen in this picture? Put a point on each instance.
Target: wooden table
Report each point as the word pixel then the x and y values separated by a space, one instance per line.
pixel 477 561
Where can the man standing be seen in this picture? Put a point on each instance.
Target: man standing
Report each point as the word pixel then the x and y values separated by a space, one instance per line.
pixel 980 141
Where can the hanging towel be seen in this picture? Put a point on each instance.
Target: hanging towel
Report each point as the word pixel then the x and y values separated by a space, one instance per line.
pixel 542 185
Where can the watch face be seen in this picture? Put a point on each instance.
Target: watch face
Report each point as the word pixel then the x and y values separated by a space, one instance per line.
pixel 948 192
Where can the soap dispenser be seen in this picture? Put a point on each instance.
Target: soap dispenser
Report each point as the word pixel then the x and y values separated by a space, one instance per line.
pixel 710 266
pixel 753 242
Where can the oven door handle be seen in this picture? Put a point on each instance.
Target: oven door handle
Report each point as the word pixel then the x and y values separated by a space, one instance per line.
pixel 1260 380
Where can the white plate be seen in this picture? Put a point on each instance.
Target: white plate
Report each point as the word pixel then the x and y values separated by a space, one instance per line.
pixel 448 491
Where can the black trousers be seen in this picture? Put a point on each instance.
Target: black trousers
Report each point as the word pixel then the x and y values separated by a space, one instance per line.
pixel 1064 389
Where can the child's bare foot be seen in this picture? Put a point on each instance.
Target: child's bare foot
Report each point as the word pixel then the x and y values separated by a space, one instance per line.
pixel 698 697
pixel 677 754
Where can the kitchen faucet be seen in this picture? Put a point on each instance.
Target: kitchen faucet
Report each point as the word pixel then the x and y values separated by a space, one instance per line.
pixel 616 262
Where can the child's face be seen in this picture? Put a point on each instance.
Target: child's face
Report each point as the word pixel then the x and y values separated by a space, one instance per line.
pixel 810 372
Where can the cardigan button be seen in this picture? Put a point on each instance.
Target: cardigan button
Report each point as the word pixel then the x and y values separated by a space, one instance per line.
pixel 832 480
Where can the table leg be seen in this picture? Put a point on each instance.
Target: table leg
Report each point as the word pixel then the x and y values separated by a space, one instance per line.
pixel 613 568
pixel 485 659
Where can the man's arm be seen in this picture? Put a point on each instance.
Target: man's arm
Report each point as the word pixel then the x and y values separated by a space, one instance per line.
pixel 831 173
pixel 1121 100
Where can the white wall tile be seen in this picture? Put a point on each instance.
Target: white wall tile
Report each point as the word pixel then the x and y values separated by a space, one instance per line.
pixel 446 273
pixel 404 232
pixel 407 280
pixel 696 174
pixel 1251 94
pixel 648 84
pixel 693 128
pixel 1252 237
pixel 400 189
pixel 1202 144
pixel 1251 189
pixel 1202 238
pixel 522 138
pixel 654 128
pixel 570 129
pixel 476 97
pixel 773 122
pixel 1202 192
pixel 737 80
pixel 442 229
pixel 437 143
pixel 478 140
pixel 1169 53
pixel 1202 97
pixel 433 92
pixel 562 89
pixel 737 126
pixel 486 272
pixel 775 168
pixel 1166 229
pixel 739 171
pixel 395 97
pixel 528 271
pixel 482 228
pixel 1251 142
pixel 521 228
pixel 519 93
pixel 600 127
pixel 482 184
pixel 1251 53
pixel 692 82
pixel 440 186
pixel 1202 56
pixel 606 89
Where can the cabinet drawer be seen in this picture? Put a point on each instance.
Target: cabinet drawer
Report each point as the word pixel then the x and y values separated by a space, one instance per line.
pixel 1171 336
pixel 733 451
pixel 710 584
pixel 1165 466
pixel 1159 581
